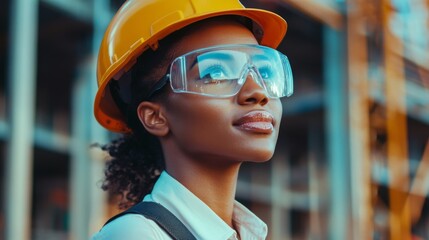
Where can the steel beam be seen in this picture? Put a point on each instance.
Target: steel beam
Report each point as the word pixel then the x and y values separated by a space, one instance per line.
pixel 87 199
pixel 81 10
pixel 323 12
pixel 337 133
pixel 396 115
pixel 360 159
pixel 22 82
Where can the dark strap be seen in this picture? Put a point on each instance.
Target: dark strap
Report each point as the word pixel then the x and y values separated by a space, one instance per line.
pixel 164 218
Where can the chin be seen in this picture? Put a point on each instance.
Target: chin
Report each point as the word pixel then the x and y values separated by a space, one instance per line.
pixel 261 156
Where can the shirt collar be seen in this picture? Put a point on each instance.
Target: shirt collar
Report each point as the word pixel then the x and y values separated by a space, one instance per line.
pixel 199 218
pixel 248 224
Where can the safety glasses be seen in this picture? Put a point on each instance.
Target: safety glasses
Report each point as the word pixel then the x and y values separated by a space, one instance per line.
pixel 221 71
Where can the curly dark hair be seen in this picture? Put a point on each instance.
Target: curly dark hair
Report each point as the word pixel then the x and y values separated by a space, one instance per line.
pixel 136 159
pixel 132 170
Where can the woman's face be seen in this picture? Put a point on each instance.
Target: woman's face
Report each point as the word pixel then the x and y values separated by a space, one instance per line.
pixel 240 128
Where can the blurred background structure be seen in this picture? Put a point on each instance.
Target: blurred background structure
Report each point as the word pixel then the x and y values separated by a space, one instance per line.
pixel 352 160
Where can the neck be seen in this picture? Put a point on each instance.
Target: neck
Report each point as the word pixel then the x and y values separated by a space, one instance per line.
pixel 215 184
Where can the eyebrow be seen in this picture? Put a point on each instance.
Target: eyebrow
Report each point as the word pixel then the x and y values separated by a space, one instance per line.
pixel 260 57
pixel 220 55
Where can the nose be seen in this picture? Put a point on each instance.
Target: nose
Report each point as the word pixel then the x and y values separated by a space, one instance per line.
pixel 252 92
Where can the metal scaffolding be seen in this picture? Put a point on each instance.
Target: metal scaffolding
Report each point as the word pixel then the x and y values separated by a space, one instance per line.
pixel 335 190
pixel 22 79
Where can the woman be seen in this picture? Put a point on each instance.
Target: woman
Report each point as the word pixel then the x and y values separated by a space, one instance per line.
pixel 196 96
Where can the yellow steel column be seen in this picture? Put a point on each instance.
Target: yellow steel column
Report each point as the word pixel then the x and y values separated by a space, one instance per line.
pixel 397 152
pixel 360 161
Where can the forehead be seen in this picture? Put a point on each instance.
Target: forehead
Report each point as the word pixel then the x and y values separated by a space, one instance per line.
pixel 212 33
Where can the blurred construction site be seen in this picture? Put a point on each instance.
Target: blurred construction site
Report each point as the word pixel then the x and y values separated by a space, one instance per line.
pixel 352 160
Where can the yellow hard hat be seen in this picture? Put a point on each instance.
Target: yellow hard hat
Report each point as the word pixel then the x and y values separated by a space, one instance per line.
pixel 140 24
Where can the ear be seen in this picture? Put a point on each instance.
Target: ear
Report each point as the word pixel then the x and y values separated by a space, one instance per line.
pixel 152 118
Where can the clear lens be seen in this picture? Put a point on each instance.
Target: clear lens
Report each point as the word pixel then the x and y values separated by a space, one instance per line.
pixel 221 71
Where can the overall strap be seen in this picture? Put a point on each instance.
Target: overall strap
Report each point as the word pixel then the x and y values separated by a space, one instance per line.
pixel 164 218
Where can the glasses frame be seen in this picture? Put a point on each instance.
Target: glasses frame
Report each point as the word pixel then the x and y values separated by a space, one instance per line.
pixel 162 82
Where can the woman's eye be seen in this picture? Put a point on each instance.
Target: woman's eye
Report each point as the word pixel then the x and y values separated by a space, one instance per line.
pixel 216 74
pixel 266 72
pixel 213 73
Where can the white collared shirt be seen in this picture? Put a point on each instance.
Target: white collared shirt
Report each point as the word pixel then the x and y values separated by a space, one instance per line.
pixel 203 223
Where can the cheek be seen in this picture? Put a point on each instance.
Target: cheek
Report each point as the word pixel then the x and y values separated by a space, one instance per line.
pixel 198 119
pixel 203 131
pixel 205 126
pixel 277 107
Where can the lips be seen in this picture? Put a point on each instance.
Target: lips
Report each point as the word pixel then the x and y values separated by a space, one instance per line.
pixel 256 122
